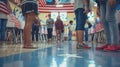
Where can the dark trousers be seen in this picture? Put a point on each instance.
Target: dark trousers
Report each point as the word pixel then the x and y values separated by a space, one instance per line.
pixel 49 30
pixel 3 23
pixel 29 7
pixel 35 31
pixel 86 34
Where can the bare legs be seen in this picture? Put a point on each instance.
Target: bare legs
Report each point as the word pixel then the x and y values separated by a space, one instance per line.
pixel 80 36
pixel 28 29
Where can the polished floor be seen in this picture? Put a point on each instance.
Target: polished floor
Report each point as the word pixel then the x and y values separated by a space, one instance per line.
pixel 63 54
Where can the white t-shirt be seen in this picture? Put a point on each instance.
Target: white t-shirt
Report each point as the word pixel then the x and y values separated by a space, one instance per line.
pixel 71 27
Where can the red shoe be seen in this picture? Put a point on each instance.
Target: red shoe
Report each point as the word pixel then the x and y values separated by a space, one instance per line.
pixel 112 48
pixel 102 47
pixel 86 46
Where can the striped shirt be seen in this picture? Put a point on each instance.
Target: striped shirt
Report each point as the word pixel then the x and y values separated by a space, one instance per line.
pixel 49 23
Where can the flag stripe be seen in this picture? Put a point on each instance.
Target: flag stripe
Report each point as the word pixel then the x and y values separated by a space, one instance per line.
pixel 4 8
pixel 2 3
pixel 48 11
pixel 68 7
pixel 4 11
pixel 42 3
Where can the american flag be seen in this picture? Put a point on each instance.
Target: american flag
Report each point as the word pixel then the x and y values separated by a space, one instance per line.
pixel 13 19
pixel 42 3
pixel 48 8
pixel 4 8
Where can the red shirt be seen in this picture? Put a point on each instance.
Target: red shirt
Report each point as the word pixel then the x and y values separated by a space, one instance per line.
pixel 59 25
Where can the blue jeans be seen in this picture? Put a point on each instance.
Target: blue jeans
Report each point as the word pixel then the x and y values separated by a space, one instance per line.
pixel 70 35
pixel 35 31
pixel 109 23
pixel 86 34
pixel 80 18
pixel 3 23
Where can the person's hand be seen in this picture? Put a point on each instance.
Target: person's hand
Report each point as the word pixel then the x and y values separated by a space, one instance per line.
pixel 111 2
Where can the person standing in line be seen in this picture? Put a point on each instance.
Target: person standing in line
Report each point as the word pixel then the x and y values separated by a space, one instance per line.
pixel 50 24
pixel 29 11
pixel 35 28
pixel 88 25
pixel 107 12
pixel 54 33
pixel 59 27
pixel 118 17
pixel 4 12
pixel 71 29
pixel 81 9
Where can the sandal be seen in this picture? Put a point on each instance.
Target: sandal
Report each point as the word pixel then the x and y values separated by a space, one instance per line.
pixel 80 46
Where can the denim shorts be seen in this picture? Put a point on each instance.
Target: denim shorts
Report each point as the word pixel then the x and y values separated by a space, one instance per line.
pixel 29 7
pixel 80 18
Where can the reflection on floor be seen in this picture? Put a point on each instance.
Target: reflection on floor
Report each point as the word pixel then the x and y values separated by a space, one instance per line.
pixel 64 54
